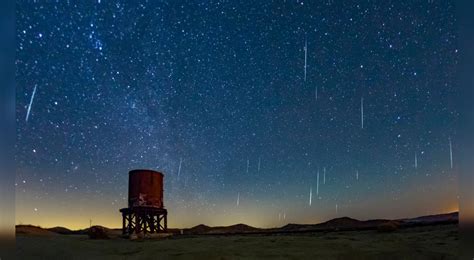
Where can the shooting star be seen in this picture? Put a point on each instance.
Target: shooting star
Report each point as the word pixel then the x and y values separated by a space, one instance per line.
pixel 305 57
pixel 451 152
pixel 362 112
pixel 317 184
pixel 316 93
pixel 416 161
pixel 357 175
pixel 310 195
pixel 248 163
pixel 284 215
pixel 31 103
pixel 179 167
pixel 336 209
pixel 324 175
pixel 238 199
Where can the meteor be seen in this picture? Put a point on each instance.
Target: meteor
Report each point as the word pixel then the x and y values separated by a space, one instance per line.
pixel 317 185
pixel 451 152
pixel 179 168
pixel 305 57
pixel 362 112
pixel 31 103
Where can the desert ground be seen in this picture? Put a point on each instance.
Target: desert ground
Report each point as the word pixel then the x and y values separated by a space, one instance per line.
pixel 426 242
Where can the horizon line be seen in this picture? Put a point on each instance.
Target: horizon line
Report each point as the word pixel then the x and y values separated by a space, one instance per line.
pixel 434 214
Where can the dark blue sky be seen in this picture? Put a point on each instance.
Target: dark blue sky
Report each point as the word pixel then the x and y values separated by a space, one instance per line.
pixel 219 86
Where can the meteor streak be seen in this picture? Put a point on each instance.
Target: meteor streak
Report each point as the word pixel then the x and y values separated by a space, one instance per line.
pixel 362 112
pixel 317 184
pixel 416 161
pixel 305 57
pixel 324 175
pixel 451 152
pixel 31 103
pixel 179 167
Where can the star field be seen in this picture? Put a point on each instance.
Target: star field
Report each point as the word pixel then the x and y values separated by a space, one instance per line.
pixel 214 95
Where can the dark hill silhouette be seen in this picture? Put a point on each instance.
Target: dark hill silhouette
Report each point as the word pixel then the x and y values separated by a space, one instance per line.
pixel 341 221
pixel 344 223
pixel 233 229
pixel 448 217
pixel 199 229
pixel 238 228
pixel 61 230
pixel 33 230
pixel 341 224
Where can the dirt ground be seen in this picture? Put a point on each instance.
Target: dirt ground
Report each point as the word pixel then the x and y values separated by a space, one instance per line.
pixel 432 242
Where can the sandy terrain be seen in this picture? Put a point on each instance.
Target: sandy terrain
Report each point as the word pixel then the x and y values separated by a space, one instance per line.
pixel 428 242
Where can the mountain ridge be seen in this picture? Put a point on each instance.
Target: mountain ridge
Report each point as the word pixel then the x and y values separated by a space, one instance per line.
pixel 336 224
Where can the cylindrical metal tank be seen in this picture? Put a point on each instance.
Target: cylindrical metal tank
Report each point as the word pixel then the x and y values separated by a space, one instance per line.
pixel 145 188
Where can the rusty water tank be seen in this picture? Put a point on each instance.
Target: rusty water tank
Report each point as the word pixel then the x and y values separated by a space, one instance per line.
pixel 145 188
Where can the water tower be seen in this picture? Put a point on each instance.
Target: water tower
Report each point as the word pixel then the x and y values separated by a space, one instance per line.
pixel 145 212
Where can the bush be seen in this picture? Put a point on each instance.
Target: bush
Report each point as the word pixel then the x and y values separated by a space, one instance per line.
pixel 97 232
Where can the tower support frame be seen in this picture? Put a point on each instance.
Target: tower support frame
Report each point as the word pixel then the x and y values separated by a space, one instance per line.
pixel 144 219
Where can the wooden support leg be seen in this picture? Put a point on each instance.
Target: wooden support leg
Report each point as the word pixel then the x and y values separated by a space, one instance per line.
pixel 123 223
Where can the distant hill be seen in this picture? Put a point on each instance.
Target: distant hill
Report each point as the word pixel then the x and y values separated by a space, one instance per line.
pixel 39 231
pixel 344 223
pixel 341 224
pixel 199 229
pixel 233 229
pixel 61 230
pixel 34 230
pixel 238 228
pixel 452 217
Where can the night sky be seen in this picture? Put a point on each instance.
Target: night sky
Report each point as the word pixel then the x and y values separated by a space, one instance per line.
pixel 214 95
